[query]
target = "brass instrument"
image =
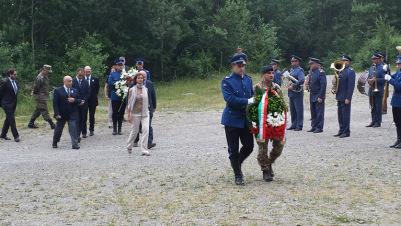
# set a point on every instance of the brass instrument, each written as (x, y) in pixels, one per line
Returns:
(289, 80)
(375, 90)
(337, 66)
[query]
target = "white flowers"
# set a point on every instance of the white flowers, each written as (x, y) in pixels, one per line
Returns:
(121, 86)
(276, 119)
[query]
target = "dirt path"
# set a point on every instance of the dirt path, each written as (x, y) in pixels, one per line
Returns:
(187, 179)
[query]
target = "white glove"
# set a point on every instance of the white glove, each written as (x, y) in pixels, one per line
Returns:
(387, 77)
(251, 100)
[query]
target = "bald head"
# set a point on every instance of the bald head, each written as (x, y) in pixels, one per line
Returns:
(67, 80)
(88, 71)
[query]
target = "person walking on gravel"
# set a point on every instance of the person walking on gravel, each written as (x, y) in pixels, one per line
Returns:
(40, 92)
(237, 91)
(138, 113)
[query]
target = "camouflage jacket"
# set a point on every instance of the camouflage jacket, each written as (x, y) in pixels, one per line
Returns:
(41, 86)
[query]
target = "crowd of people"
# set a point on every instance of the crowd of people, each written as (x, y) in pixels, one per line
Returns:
(77, 99)
(240, 93)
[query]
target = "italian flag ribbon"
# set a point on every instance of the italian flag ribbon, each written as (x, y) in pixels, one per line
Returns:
(267, 131)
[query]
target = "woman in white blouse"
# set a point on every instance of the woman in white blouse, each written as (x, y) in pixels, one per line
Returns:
(138, 113)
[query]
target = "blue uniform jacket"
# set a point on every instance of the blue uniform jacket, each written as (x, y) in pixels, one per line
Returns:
(396, 82)
(299, 74)
(346, 84)
(277, 77)
(380, 76)
(113, 78)
(236, 92)
(318, 84)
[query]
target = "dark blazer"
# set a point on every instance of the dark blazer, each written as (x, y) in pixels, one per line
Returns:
(61, 105)
(94, 88)
(151, 95)
(83, 89)
(8, 98)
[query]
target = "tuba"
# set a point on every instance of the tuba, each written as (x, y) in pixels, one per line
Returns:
(337, 66)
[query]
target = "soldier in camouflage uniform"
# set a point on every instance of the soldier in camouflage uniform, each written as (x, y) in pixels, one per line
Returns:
(40, 93)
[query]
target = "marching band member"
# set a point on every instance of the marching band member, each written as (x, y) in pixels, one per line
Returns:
(277, 73)
(296, 98)
(376, 81)
(237, 91)
(317, 84)
(346, 85)
(395, 81)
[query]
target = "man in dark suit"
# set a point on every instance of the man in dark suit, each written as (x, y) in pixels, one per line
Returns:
(94, 87)
(152, 108)
(65, 104)
(79, 83)
(8, 97)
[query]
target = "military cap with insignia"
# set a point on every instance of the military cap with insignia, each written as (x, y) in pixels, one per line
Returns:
(294, 57)
(240, 58)
(274, 61)
(346, 58)
(377, 55)
(314, 60)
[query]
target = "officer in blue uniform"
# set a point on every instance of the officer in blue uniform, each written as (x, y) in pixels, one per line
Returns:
(140, 67)
(296, 95)
(237, 91)
(395, 81)
(346, 85)
(317, 84)
(376, 75)
(277, 73)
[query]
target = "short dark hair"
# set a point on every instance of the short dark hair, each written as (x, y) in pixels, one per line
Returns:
(80, 69)
(10, 72)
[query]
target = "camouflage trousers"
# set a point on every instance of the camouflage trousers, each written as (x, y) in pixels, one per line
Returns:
(264, 159)
(41, 109)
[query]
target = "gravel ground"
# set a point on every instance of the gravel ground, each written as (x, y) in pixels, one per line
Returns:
(188, 180)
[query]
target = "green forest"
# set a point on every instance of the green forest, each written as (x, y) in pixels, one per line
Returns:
(190, 38)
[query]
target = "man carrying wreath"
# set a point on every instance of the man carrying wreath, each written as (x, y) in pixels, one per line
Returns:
(267, 118)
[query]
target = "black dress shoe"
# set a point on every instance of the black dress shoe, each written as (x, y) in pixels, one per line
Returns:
(120, 133)
(290, 128)
(344, 135)
(311, 130)
(318, 131)
(91, 133)
(152, 145)
(398, 146)
(370, 125)
(239, 181)
(396, 143)
(298, 129)
(114, 132)
(17, 139)
(376, 125)
(5, 138)
(54, 145)
(338, 134)
(75, 147)
(84, 136)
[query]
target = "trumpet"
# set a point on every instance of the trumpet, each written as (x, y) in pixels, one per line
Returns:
(308, 81)
(375, 90)
(338, 66)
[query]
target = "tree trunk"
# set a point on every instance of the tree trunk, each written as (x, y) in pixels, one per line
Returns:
(33, 31)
